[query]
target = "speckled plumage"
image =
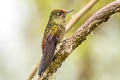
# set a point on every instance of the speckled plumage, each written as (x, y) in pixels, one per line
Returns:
(53, 35)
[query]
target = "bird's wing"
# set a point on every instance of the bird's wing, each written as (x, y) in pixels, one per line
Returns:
(49, 32)
(48, 51)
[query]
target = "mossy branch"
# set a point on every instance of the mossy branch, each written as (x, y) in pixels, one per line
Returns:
(74, 20)
(80, 35)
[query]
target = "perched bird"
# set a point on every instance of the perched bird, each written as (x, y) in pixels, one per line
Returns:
(53, 35)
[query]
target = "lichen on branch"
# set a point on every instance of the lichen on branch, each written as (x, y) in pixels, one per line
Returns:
(80, 35)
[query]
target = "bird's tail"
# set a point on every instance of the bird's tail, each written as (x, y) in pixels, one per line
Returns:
(48, 55)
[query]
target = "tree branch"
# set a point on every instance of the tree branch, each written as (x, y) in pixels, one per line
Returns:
(80, 35)
(80, 14)
(77, 16)
(32, 74)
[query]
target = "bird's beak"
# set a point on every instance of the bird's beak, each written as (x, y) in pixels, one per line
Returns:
(69, 11)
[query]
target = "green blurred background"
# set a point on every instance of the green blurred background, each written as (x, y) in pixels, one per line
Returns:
(22, 24)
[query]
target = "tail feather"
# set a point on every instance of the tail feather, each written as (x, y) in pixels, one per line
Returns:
(48, 55)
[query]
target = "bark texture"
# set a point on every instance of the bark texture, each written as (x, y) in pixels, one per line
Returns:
(80, 35)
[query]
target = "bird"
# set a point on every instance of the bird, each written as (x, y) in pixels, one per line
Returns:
(53, 35)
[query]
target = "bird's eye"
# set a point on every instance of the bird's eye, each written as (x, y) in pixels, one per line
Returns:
(59, 13)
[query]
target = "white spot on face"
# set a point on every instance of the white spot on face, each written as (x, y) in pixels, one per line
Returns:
(59, 13)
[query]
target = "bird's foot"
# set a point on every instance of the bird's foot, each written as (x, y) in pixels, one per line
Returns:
(63, 41)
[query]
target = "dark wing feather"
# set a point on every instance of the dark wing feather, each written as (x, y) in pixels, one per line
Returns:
(48, 53)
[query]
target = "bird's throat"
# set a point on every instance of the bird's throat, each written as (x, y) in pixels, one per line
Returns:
(58, 21)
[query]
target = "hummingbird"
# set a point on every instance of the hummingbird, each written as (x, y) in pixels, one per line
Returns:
(53, 35)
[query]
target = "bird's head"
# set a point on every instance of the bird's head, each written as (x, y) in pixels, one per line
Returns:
(58, 15)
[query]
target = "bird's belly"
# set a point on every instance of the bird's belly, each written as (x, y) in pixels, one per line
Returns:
(61, 34)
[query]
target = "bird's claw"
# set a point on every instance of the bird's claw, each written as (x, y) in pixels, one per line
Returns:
(64, 41)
